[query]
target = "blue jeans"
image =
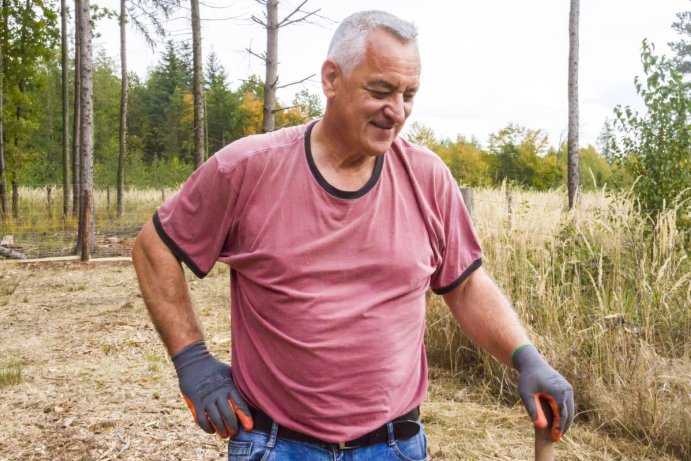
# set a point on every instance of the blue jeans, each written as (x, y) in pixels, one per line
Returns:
(260, 446)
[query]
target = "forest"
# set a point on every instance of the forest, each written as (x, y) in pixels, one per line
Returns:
(153, 134)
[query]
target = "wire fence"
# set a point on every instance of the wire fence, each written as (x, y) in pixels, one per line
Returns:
(36, 226)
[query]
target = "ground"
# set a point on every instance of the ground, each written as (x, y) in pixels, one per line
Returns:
(96, 383)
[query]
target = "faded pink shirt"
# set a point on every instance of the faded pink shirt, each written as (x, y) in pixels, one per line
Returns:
(328, 286)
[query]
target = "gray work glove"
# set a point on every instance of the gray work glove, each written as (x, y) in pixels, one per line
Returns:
(207, 387)
(538, 380)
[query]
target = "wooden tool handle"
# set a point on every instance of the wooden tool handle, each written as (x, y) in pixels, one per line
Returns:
(544, 448)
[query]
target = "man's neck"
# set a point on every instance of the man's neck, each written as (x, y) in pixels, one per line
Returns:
(342, 167)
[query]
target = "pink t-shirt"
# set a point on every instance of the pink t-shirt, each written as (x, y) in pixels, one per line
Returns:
(327, 286)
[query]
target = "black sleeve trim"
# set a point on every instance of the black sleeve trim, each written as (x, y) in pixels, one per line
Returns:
(442, 291)
(177, 251)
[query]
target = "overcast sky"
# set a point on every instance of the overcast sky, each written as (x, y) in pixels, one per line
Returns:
(485, 63)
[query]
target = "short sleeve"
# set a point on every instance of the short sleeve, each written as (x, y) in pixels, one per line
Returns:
(461, 253)
(195, 222)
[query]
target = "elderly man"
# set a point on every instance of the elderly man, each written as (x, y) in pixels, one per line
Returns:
(333, 232)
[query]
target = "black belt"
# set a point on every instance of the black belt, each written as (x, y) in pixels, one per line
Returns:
(404, 427)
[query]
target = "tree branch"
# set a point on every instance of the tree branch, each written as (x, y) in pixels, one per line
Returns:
(292, 13)
(259, 21)
(295, 83)
(260, 56)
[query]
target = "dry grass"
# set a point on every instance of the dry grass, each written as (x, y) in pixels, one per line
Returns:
(10, 374)
(97, 384)
(606, 295)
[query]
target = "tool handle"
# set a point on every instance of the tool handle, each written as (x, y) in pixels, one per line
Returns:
(544, 447)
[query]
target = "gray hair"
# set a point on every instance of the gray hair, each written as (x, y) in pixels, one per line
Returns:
(348, 43)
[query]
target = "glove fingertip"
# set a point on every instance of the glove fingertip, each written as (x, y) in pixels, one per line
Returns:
(203, 422)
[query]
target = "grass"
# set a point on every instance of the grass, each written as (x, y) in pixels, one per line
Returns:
(605, 294)
(10, 374)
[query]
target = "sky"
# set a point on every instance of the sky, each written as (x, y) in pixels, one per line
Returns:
(485, 63)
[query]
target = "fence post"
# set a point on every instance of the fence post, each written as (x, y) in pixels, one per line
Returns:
(107, 198)
(15, 199)
(163, 194)
(49, 190)
(85, 242)
(509, 203)
(469, 199)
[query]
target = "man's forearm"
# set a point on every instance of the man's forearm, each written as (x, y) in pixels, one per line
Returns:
(165, 291)
(486, 316)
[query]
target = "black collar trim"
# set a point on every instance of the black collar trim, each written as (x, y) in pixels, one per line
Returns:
(348, 195)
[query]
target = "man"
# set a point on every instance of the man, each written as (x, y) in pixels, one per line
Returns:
(333, 231)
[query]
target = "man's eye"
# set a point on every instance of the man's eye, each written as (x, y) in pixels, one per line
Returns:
(379, 94)
(409, 97)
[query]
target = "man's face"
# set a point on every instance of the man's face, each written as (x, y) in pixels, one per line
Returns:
(373, 102)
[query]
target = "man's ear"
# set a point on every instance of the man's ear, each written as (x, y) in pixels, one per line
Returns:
(331, 77)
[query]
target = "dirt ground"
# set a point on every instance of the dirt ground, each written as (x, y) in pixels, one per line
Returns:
(96, 383)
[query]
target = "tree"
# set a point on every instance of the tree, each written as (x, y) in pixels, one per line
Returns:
(682, 48)
(76, 117)
(421, 134)
(197, 86)
(65, 111)
(222, 118)
(28, 33)
(122, 140)
(3, 176)
(270, 57)
(574, 180)
(654, 146)
(86, 132)
(149, 9)
(517, 156)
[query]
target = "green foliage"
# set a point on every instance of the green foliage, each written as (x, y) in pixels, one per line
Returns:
(593, 168)
(222, 115)
(468, 163)
(655, 146)
(309, 104)
(682, 48)
(517, 156)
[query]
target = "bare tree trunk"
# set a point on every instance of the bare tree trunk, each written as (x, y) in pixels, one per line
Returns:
(573, 104)
(198, 89)
(123, 110)
(3, 176)
(86, 132)
(76, 136)
(271, 80)
(65, 115)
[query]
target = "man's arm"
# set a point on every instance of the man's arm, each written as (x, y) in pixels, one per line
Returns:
(206, 383)
(487, 317)
(165, 291)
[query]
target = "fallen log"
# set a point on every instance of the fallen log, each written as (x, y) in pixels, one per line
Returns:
(9, 253)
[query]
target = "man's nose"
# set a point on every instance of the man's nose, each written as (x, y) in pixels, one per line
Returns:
(395, 109)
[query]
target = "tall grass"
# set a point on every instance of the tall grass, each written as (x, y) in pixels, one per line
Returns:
(606, 296)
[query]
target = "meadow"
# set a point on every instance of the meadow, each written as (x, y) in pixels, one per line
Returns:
(604, 291)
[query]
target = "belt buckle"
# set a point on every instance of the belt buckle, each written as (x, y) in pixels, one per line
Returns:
(345, 446)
